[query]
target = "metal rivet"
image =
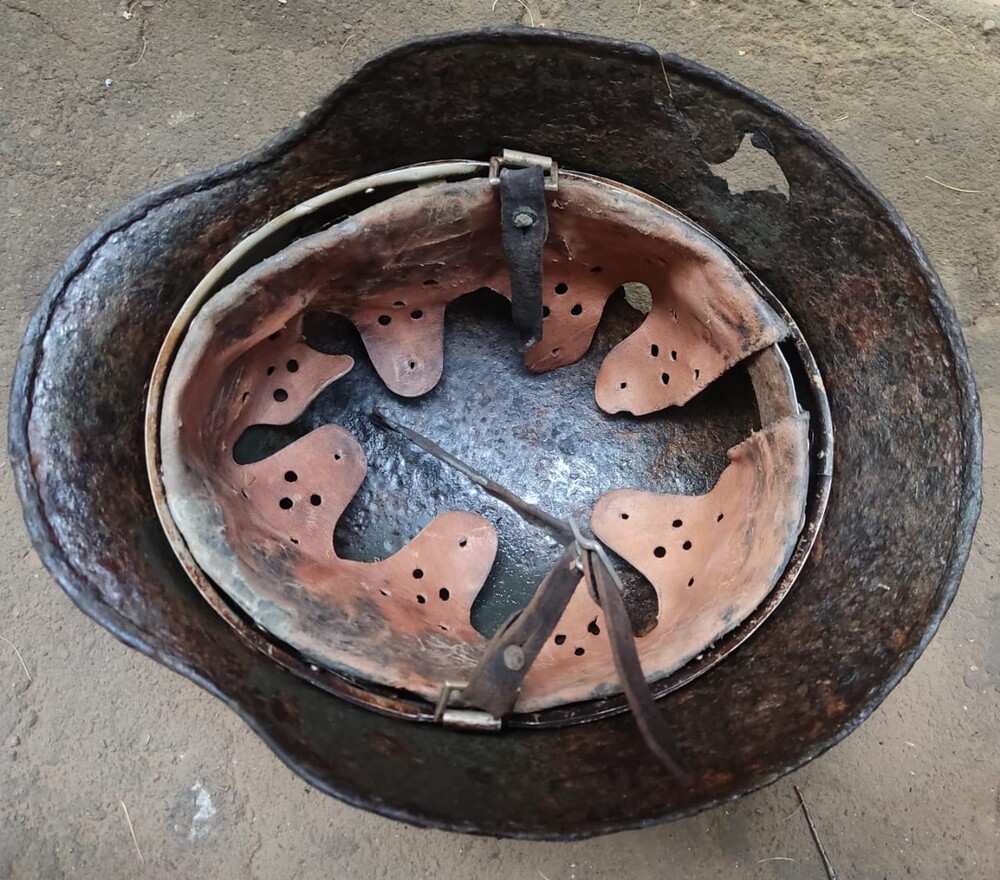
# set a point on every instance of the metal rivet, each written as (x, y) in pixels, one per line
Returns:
(513, 657)
(524, 217)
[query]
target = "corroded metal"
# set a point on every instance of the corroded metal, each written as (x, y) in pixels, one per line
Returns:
(903, 501)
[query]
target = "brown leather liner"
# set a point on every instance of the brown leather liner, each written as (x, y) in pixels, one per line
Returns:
(711, 559)
(266, 539)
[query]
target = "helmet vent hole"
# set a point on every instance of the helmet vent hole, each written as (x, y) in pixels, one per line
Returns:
(576, 310)
(384, 320)
(659, 552)
(421, 599)
(280, 395)
(315, 500)
(677, 523)
(291, 476)
(270, 371)
(654, 351)
(561, 288)
(686, 545)
(579, 652)
(292, 366)
(418, 573)
(430, 282)
(593, 628)
(416, 314)
(560, 639)
(286, 503)
(665, 378)
(444, 594)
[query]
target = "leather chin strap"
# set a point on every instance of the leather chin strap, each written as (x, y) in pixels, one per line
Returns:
(492, 689)
(496, 682)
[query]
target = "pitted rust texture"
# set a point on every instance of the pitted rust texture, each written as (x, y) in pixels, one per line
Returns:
(835, 254)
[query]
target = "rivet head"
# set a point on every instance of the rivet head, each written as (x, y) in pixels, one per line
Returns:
(524, 217)
(513, 657)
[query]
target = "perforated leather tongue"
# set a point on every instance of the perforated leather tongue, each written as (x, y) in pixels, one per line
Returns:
(264, 531)
(711, 559)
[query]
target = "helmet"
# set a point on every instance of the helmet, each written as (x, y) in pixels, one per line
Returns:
(495, 454)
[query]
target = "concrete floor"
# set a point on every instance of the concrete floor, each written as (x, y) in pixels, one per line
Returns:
(103, 99)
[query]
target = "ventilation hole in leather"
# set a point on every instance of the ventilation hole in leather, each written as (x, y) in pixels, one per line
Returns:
(690, 582)
(286, 503)
(280, 395)
(243, 492)
(576, 310)
(291, 476)
(659, 552)
(623, 385)
(697, 373)
(560, 639)
(399, 304)
(418, 573)
(315, 500)
(274, 335)
(673, 355)
(294, 540)
(421, 599)
(719, 517)
(677, 523)
(593, 628)
(430, 282)
(674, 313)
(413, 365)
(654, 350)
(686, 545)
(638, 296)
(336, 456)
(664, 378)
(246, 396)
(442, 627)
(555, 351)
(561, 288)
(444, 594)
(270, 371)
(546, 311)
(596, 268)
(624, 516)
(462, 542)
(579, 652)
(292, 366)
(416, 314)
(384, 320)
(385, 592)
